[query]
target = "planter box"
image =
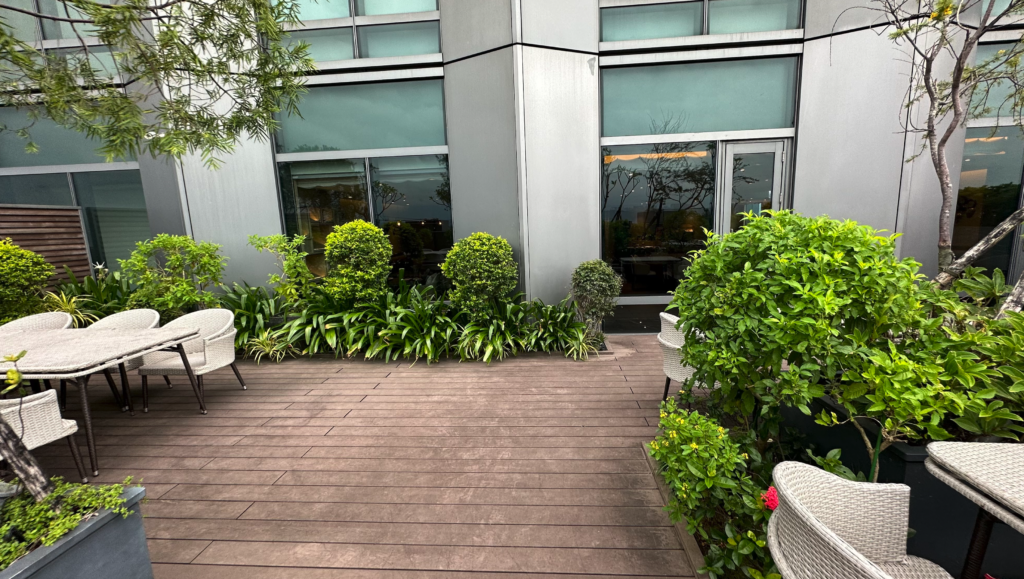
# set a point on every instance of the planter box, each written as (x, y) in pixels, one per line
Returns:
(943, 519)
(106, 546)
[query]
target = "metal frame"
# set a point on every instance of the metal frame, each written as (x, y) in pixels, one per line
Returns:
(82, 168)
(757, 134)
(375, 76)
(731, 53)
(723, 217)
(791, 35)
(361, 153)
(705, 26)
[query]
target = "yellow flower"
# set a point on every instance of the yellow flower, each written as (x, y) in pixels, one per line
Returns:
(744, 455)
(694, 446)
(721, 430)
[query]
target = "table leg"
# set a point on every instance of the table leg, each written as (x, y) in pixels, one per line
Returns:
(113, 390)
(83, 393)
(191, 378)
(979, 544)
(126, 389)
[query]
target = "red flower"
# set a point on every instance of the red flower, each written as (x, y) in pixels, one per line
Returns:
(771, 499)
(987, 576)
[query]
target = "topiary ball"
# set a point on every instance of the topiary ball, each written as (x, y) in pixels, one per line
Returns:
(481, 269)
(23, 276)
(358, 256)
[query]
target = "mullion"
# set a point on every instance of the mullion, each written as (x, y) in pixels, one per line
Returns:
(355, 31)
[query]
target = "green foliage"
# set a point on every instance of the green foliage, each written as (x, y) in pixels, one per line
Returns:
(554, 328)
(595, 287)
(255, 311)
(173, 274)
(359, 256)
(74, 306)
(106, 292)
(23, 276)
(271, 344)
(411, 323)
(28, 525)
(832, 463)
(495, 333)
(482, 270)
(712, 489)
(320, 328)
(293, 282)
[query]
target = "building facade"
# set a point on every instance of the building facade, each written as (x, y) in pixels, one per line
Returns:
(575, 129)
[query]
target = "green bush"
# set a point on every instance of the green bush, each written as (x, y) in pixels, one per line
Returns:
(293, 282)
(107, 292)
(481, 269)
(23, 276)
(595, 287)
(713, 490)
(173, 274)
(256, 311)
(359, 259)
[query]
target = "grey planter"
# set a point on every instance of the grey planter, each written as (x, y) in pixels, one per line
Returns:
(104, 547)
(941, 518)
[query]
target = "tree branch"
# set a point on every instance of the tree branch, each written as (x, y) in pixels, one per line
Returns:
(946, 278)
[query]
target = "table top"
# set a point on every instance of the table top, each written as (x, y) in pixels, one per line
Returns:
(74, 353)
(996, 469)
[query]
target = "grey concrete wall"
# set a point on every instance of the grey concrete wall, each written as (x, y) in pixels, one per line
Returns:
(474, 26)
(162, 189)
(229, 204)
(568, 24)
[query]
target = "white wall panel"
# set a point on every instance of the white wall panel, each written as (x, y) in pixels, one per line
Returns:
(569, 24)
(473, 26)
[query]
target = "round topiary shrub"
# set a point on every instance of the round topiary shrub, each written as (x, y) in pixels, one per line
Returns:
(481, 269)
(23, 276)
(595, 286)
(358, 257)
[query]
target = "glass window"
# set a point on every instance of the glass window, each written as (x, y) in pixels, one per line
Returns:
(327, 44)
(990, 180)
(412, 203)
(319, 195)
(699, 97)
(652, 21)
(657, 200)
(323, 9)
(399, 39)
(100, 58)
(23, 26)
(366, 116)
(993, 97)
(57, 145)
(731, 16)
(51, 189)
(374, 7)
(114, 210)
(55, 30)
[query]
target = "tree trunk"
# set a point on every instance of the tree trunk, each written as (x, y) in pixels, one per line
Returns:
(1015, 301)
(949, 274)
(23, 463)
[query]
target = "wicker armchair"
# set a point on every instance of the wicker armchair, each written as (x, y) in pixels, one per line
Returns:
(213, 350)
(827, 526)
(47, 321)
(37, 420)
(130, 320)
(671, 340)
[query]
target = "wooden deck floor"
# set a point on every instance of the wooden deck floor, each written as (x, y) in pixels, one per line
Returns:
(340, 469)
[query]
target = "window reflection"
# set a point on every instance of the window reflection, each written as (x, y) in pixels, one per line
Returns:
(734, 16)
(753, 178)
(114, 211)
(327, 45)
(399, 39)
(375, 7)
(990, 182)
(657, 201)
(651, 21)
(48, 189)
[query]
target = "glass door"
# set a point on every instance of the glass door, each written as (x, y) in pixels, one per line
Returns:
(753, 181)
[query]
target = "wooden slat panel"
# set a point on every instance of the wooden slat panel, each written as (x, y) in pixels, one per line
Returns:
(54, 233)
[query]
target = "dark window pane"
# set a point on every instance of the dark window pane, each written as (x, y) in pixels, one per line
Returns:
(323, 9)
(57, 145)
(399, 39)
(652, 21)
(995, 97)
(412, 203)
(114, 209)
(52, 189)
(753, 180)
(733, 16)
(319, 195)
(634, 320)
(699, 97)
(656, 203)
(374, 7)
(328, 44)
(989, 192)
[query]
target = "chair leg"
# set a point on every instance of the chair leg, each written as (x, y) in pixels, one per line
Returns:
(47, 385)
(64, 395)
(145, 393)
(668, 381)
(202, 390)
(126, 388)
(34, 384)
(238, 375)
(75, 454)
(168, 380)
(113, 390)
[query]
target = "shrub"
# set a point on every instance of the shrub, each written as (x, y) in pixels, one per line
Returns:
(270, 344)
(595, 286)
(23, 276)
(107, 291)
(74, 306)
(359, 259)
(173, 274)
(255, 311)
(412, 323)
(320, 328)
(712, 489)
(481, 269)
(295, 278)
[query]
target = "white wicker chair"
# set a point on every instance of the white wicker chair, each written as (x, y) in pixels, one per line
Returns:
(827, 526)
(671, 340)
(37, 420)
(213, 350)
(141, 319)
(47, 321)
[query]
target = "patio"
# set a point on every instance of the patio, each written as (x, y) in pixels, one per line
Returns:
(329, 469)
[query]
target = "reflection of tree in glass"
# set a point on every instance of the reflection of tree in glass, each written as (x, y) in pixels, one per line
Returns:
(385, 195)
(443, 194)
(327, 203)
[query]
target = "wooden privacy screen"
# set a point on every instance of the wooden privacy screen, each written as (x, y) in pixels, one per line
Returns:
(53, 232)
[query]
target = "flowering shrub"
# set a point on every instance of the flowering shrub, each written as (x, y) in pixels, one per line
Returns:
(724, 507)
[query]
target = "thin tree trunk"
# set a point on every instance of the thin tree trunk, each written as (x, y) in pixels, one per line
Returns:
(947, 276)
(1015, 301)
(13, 450)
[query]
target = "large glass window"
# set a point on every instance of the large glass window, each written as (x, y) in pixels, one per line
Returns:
(656, 202)
(323, 9)
(57, 145)
(366, 116)
(328, 44)
(23, 26)
(990, 190)
(699, 97)
(56, 30)
(50, 189)
(399, 39)
(114, 209)
(993, 97)
(375, 7)
(652, 21)
(732, 16)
